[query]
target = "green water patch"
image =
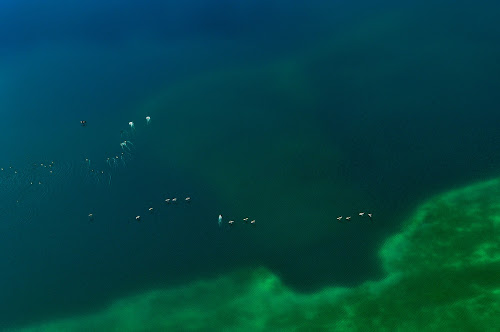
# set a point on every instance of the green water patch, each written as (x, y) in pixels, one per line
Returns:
(464, 223)
(433, 282)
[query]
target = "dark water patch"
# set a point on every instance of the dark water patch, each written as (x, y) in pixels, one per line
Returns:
(261, 23)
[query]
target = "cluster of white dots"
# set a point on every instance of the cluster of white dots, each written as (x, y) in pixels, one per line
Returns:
(361, 214)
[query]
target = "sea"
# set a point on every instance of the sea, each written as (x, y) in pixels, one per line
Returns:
(127, 127)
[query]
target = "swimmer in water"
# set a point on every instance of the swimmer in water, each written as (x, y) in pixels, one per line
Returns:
(220, 220)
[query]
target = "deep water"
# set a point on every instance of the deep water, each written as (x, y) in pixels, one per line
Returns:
(291, 113)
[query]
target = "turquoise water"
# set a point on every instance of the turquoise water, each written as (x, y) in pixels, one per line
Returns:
(288, 113)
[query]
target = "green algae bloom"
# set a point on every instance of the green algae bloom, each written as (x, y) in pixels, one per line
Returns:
(442, 269)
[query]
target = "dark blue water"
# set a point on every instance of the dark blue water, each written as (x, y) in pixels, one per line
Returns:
(291, 113)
